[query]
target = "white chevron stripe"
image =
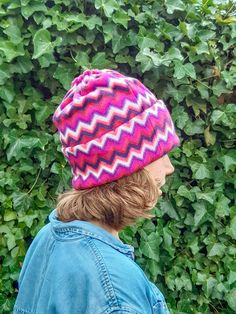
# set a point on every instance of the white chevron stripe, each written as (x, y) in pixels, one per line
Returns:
(94, 94)
(115, 134)
(100, 118)
(139, 155)
(112, 82)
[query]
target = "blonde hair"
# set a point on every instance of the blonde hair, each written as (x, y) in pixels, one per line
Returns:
(117, 204)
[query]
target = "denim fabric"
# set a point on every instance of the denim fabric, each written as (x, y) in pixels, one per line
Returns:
(79, 268)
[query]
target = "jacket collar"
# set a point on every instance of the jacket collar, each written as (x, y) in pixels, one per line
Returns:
(72, 229)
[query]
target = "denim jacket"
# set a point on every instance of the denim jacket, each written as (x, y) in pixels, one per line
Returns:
(79, 268)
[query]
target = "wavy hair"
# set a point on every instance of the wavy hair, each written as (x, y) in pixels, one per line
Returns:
(116, 204)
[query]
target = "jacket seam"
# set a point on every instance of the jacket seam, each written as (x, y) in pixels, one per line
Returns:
(82, 232)
(106, 280)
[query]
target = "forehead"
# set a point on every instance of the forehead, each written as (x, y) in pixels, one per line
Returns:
(157, 163)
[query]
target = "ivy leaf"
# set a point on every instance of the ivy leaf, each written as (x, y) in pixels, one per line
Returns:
(150, 247)
(219, 87)
(9, 215)
(232, 277)
(121, 41)
(174, 5)
(218, 249)
(184, 70)
(210, 137)
(167, 241)
(146, 63)
(202, 47)
(82, 60)
(28, 219)
(222, 207)
(11, 241)
(15, 149)
(100, 61)
(203, 90)
(210, 285)
(228, 160)
(42, 112)
(193, 244)
(183, 282)
(10, 50)
(168, 208)
(156, 58)
(146, 42)
(174, 54)
(24, 65)
(63, 77)
(7, 93)
(202, 172)
(21, 200)
(109, 29)
(194, 127)
(231, 299)
(28, 10)
(208, 196)
(180, 116)
(93, 21)
(183, 191)
(121, 17)
(42, 43)
(231, 230)
(46, 59)
(108, 6)
(200, 212)
(216, 116)
(204, 35)
(4, 73)
(13, 32)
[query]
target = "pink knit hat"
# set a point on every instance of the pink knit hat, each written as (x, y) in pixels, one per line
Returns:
(110, 126)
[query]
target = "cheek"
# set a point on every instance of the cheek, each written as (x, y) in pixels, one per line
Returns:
(160, 178)
(160, 174)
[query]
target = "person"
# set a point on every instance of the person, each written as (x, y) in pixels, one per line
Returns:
(116, 136)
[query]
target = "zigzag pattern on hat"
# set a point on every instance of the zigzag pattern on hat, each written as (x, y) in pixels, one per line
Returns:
(76, 131)
(118, 161)
(81, 122)
(110, 126)
(132, 136)
(115, 136)
(109, 85)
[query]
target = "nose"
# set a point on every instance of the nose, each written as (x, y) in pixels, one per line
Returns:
(169, 167)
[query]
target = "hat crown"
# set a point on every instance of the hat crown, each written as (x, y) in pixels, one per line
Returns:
(98, 102)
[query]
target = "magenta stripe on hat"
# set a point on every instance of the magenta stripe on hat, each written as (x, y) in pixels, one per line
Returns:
(110, 126)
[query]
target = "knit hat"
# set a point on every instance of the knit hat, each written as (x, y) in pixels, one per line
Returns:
(110, 126)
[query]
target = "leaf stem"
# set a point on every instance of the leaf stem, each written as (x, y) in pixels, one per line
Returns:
(230, 9)
(208, 77)
(203, 84)
(35, 181)
(72, 56)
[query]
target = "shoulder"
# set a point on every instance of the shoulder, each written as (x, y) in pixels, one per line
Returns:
(133, 291)
(39, 239)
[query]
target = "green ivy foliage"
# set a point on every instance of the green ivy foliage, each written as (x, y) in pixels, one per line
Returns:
(184, 51)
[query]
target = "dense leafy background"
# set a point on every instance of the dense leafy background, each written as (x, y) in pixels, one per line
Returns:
(184, 51)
